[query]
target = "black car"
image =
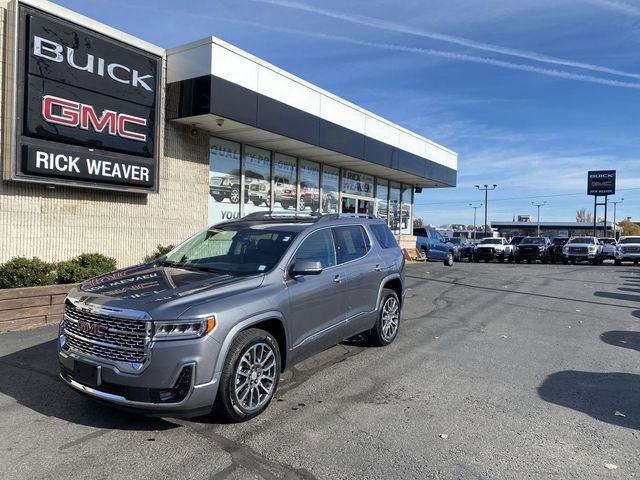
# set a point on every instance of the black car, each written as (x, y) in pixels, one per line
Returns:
(516, 240)
(531, 249)
(463, 248)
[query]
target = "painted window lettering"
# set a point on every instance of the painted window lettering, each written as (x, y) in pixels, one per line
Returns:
(53, 51)
(65, 112)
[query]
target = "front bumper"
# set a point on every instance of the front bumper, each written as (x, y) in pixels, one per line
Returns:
(627, 256)
(177, 379)
(486, 253)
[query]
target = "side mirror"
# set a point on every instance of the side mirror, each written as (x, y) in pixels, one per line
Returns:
(305, 267)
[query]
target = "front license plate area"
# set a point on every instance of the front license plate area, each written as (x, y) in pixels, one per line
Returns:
(86, 374)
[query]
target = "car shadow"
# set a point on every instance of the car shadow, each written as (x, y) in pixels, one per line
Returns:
(622, 338)
(30, 376)
(618, 296)
(599, 395)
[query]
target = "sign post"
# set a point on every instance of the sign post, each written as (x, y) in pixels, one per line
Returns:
(601, 183)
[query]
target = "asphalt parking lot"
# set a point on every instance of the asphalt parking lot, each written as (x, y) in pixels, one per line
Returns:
(500, 371)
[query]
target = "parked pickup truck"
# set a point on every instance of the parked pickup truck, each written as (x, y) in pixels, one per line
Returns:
(432, 245)
(608, 248)
(580, 249)
(628, 249)
(555, 250)
(493, 249)
(531, 249)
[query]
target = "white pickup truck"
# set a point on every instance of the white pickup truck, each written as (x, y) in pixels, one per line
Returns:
(628, 249)
(493, 249)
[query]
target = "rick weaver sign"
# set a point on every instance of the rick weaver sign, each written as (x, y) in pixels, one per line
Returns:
(87, 107)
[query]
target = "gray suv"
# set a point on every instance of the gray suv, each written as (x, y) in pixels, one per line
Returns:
(216, 320)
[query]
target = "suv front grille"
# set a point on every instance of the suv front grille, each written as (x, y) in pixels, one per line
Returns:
(578, 250)
(104, 336)
(630, 249)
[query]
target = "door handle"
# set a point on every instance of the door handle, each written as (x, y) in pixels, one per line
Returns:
(378, 269)
(337, 279)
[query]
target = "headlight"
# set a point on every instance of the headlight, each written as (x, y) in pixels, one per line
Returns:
(565, 249)
(182, 330)
(593, 248)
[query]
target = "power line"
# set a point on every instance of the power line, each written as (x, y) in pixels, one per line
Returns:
(529, 197)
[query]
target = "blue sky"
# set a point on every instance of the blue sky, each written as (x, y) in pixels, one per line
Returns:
(530, 93)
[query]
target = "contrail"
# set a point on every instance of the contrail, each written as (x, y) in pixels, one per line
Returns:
(621, 7)
(454, 56)
(398, 28)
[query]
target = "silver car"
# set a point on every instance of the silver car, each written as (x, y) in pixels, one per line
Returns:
(222, 315)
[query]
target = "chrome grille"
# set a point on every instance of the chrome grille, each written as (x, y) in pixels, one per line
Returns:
(120, 339)
(579, 250)
(630, 249)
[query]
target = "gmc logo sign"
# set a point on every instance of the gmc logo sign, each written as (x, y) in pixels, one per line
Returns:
(92, 328)
(74, 114)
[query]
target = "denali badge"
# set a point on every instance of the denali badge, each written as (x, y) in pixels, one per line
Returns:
(92, 328)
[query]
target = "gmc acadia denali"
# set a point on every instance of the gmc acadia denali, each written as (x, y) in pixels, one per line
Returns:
(218, 318)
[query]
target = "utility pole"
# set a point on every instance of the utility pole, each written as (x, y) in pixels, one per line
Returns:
(485, 188)
(615, 204)
(475, 226)
(539, 205)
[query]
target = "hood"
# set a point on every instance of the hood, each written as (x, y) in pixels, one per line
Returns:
(162, 292)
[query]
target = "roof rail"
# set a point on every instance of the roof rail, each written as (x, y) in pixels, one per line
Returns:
(336, 216)
(276, 215)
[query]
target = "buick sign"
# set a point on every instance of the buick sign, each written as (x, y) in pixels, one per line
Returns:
(87, 107)
(601, 182)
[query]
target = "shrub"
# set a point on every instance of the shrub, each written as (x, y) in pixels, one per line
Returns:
(84, 266)
(159, 251)
(26, 272)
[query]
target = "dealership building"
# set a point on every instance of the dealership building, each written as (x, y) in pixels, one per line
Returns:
(113, 145)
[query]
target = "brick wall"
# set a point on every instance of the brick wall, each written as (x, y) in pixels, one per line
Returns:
(62, 222)
(22, 308)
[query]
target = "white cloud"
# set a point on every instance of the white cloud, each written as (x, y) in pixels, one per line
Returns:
(617, 6)
(461, 41)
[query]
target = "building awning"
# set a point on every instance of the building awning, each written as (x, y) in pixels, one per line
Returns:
(262, 105)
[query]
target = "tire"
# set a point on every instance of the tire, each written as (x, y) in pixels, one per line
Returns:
(573, 261)
(251, 351)
(617, 263)
(386, 327)
(565, 261)
(635, 262)
(302, 204)
(285, 205)
(449, 260)
(424, 253)
(501, 258)
(476, 260)
(234, 195)
(218, 198)
(256, 202)
(518, 261)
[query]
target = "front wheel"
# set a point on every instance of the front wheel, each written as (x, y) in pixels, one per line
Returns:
(250, 375)
(386, 328)
(617, 262)
(449, 260)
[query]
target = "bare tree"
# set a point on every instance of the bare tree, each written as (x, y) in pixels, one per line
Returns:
(418, 223)
(582, 216)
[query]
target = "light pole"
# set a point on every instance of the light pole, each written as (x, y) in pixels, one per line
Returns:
(539, 205)
(475, 208)
(486, 189)
(615, 232)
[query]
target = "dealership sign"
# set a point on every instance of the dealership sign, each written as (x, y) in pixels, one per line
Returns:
(601, 182)
(87, 107)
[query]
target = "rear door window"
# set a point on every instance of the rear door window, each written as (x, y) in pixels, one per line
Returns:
(384, 236)
(352, 242)
(318, 247)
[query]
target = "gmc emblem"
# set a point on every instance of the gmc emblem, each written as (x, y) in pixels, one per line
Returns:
(74, 114)
(92, 328)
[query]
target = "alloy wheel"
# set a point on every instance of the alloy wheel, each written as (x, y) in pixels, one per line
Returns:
(255, 377)
(390, 318)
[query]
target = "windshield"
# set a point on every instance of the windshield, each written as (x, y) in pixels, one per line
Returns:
(630, 240)
(516, 240)
(235, 251)
(491, 241)
(608, 241)
(559, 241)
(581, 240)
(455, 241)
(532, 241)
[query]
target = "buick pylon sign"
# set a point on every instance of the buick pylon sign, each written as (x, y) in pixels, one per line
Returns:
(87, 107)
(601, 182)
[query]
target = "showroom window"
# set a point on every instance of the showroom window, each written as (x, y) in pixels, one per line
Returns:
(382, 199)
(257, 179)
(394, 207)
(405, 217)
(330, 189)
(284, 181)
(309, 186)
(224, 180)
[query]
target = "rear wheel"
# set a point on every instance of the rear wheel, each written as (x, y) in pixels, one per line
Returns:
(250, 375)
(565, 261)
(424, 253)
(617, 262)
(386, 328)
(218, 198)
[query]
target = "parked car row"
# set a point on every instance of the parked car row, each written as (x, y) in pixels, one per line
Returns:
(433, 246)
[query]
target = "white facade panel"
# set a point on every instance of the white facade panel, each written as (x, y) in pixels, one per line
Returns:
(191, 63)
(411, 144)
(381, 131)
(341, 114)
(235, 68)
(279, 87)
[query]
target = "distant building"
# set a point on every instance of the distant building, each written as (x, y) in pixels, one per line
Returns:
(551, 229)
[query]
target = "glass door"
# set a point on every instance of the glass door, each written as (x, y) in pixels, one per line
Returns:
(351, 204)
